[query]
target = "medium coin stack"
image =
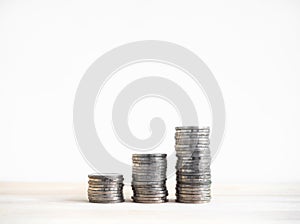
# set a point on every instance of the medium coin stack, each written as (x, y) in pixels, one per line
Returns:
(193, 164)
(149, 178)
(105, 188)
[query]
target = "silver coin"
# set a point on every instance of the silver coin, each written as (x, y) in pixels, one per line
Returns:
(191, 172)
(147, 188)
(202, 167)
(192, 128)
(194, 198)
(193, 175)
(190, 177)
(147, 191)
(192, 159)
(192, 141)
(104, 193)
(199, 176)
(107, 202)
(205, 167)
(105, 181)
(108, 191)
(192, 202)
(105, 198)
(186, 153)
(204, 150)
(104, 187)
(192, 185)
(96, 187)
(204, 193)
(194, 156)
(204, 181)
(194, 192)
(151, 164)
(151, 194)
(150, 155)
(160, 182)
(190, 156)
(149, 175)
(193, 131)
(112, 176)
(191, 146)
(150, 202)
(185, 199)
(198, 163)
(150, 159)
(192, 165)
(191, 134)
(148, 179)
(194, 181)
(98, 200)
(154, 195)
(148, 198)
(148, 184)
(191, 137)
(149, 170)
(193, 188)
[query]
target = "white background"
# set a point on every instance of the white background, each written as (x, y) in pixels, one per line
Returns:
(252, 48)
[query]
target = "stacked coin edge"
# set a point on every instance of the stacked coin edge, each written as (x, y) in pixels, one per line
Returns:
(149, 178)
(105, 188)
(193, 177)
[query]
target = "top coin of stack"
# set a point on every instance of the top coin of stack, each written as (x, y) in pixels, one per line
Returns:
(105, 188)
(149, 178)
(193, 164)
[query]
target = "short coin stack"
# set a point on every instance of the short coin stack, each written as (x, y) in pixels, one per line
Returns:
(106, 188)
(149, 178)
(193, 164)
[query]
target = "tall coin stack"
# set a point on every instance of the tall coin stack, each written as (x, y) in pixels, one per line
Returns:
(149, 178)
(193, 164)
(106, 188)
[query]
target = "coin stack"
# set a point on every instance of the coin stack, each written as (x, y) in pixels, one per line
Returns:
(149, 178)
(106, 188)
(193, 164)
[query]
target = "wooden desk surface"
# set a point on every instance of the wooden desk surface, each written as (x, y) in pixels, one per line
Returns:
(67, 203)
